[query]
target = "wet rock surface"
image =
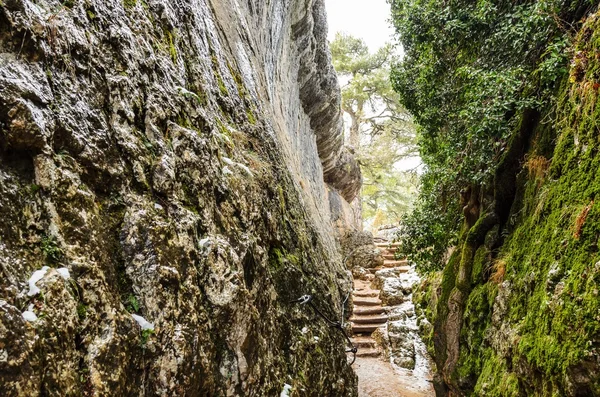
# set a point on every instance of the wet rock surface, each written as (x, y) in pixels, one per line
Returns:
(164, 153)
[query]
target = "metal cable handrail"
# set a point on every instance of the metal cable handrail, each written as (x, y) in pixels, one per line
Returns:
(308, 299)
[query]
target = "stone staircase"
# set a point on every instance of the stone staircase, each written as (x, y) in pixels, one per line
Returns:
(389, 257)
(369, 314)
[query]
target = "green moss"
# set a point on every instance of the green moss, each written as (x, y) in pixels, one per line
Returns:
(281, 195)
(82, 310)
(476, 319)
(129, 3)
(221, 84)
(90, 15)
(496, 380)
(479, 263)
(170, 37)
(250, 115)
(69, 3)
(33, 188)
(222, 88)
(551, 255)
(279, 257)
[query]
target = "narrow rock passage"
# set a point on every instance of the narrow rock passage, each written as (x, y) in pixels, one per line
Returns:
(377, 377)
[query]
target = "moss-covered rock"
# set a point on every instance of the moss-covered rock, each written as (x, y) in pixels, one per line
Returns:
(526, 304)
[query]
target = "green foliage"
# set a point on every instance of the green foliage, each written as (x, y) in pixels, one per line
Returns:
(384, 188)
(50, 249)
(551, 262)
(132, 305)
(433, 225)
(469, 72)
(381, 132)
(145, 336)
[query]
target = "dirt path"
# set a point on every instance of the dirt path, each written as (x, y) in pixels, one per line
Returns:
(377, 378)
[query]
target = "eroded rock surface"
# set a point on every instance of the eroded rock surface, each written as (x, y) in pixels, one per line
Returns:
(359, 250)
(171, 156)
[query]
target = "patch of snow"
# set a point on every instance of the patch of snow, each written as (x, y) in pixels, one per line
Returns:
(35, 277)
(64, 272)
(246, 169)
(29, 315)
(316, 338)
(158, 206)
(304, 330)
(286, 391)
(3, 356)
(187, 93)
(145, 324)
(204, 243)
(227, 160)
(227, 171)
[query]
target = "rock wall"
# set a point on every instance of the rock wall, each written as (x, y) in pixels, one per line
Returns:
(167, 160)
(516, 311)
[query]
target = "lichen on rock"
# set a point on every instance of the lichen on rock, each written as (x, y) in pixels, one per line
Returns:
(164, 156)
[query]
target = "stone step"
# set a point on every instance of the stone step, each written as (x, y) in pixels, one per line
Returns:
(401, 269)
(394, 263)
(369, 319)
(390, 257)
(367, 293)
(368, 353)
(364, 342)
(364, 328)
(388, 245)
(368, 310)
(362, 301)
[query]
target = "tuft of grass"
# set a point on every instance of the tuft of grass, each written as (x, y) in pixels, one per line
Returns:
(498, 271)
(580, 221)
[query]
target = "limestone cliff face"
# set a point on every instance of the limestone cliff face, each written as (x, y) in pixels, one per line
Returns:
(170, 156)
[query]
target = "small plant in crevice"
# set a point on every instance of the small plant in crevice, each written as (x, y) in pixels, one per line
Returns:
(145, 336)
(82, 309)
(132, 304)
(33, 188)
(50, 249)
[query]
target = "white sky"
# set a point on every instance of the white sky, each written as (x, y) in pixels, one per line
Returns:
(365, 19)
